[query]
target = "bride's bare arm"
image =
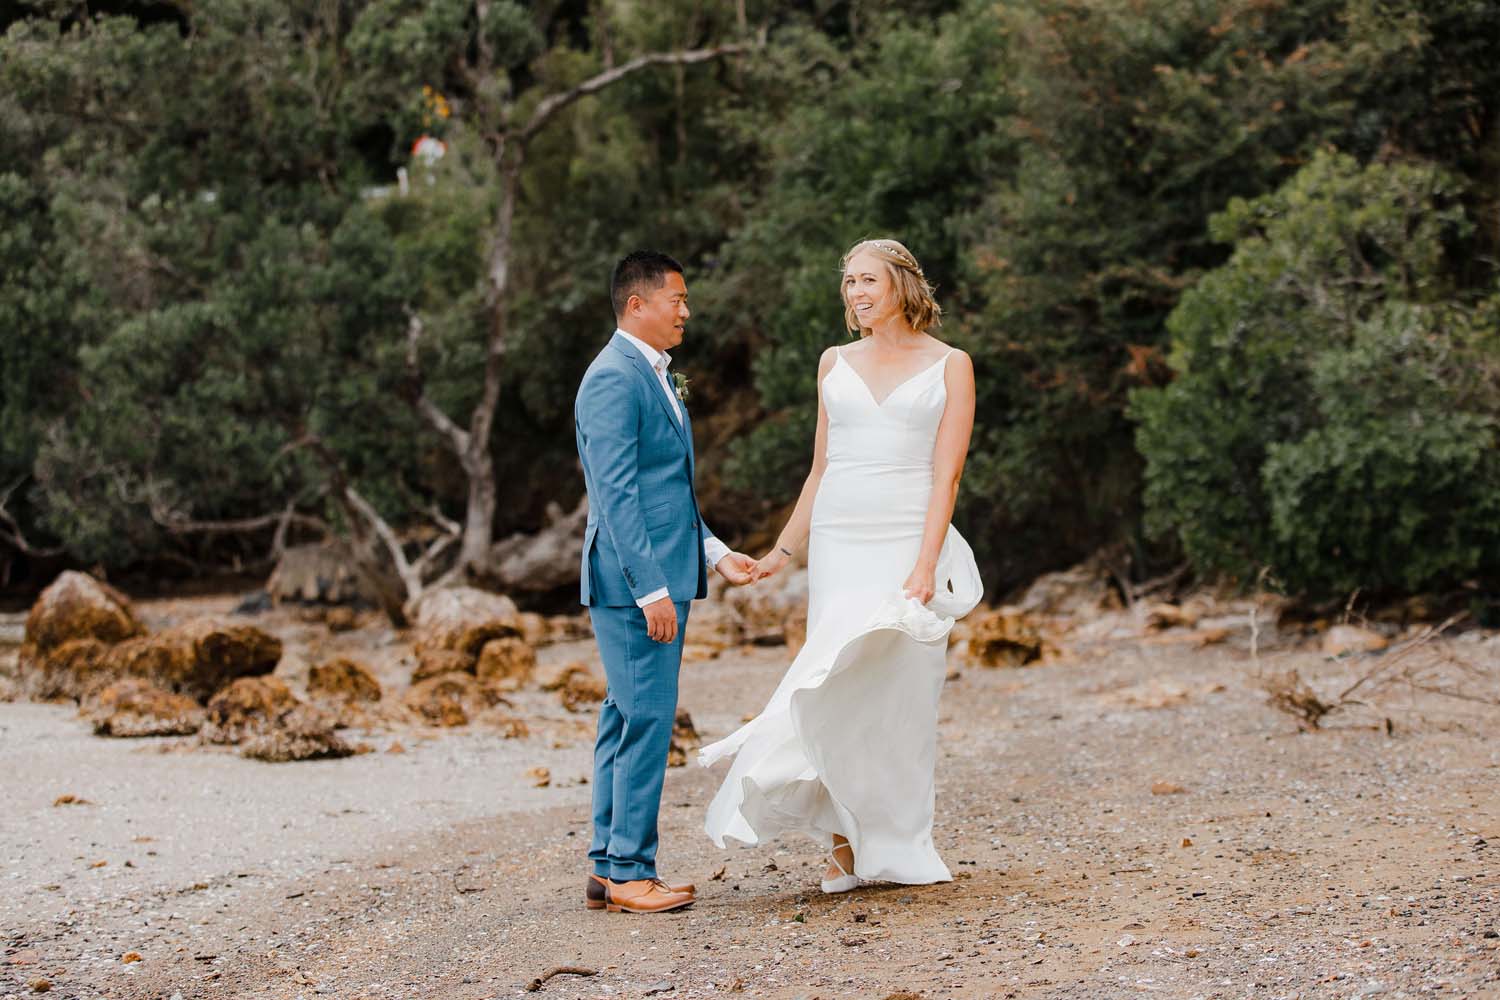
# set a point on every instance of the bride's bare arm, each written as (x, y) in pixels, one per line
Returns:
(797, 526)
(948, 456)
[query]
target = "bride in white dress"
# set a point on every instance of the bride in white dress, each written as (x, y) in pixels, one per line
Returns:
(846, 747)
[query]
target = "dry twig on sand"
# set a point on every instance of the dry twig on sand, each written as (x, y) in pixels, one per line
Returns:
(1398, 668)
(560, 970)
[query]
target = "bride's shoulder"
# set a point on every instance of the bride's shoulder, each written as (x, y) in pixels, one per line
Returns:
(826, 361)
(947, 352)
(956, 364)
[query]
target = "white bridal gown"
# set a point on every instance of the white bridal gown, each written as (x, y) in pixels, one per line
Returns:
(848, 742)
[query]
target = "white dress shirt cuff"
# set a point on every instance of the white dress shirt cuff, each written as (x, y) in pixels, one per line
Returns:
(713, 551)
(652, 597)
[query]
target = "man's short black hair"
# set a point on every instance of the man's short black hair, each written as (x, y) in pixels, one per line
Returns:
(636, 272)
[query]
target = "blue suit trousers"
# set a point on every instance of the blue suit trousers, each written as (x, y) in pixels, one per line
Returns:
(635, 732)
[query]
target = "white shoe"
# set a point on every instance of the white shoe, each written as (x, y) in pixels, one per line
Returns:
(843, 883)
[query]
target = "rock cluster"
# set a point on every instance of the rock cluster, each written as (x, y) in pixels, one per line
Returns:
(268, 722)
(136, 707)
(82, 635)
(84, 642)
(470, 652)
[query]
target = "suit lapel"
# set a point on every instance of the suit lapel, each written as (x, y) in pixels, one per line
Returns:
(653, 388)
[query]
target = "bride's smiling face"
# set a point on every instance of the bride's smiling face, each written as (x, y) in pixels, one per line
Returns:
(868, 288)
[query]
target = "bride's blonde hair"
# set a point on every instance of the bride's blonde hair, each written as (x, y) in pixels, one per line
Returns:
(913, 292)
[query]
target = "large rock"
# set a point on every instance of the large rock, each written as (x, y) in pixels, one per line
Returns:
(714, 626)
(450, 699)
(1343, 640)
(196, 658)
(685, 739)
(534, 628)
(763, 609)
(540, 630)
(583, 689)
(247, 707)
(1008, 637)
(461, 620)
(506, 664)
(303, 733)
(569, 628)
(267, 722)
(343, 680)
(76, 606)
(795, 631)
(136, 707)
(70, 670)
(70, 628)
(436, 662)
(1081, 591)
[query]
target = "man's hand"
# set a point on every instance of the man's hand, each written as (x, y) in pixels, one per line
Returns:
(736, 568)
(661, 619)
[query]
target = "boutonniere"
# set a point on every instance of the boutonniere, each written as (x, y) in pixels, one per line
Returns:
(681, 382)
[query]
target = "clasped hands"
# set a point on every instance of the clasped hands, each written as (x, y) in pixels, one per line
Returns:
(739, 569)
(661, 615)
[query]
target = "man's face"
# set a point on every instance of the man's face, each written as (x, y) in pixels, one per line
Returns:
(660, 314)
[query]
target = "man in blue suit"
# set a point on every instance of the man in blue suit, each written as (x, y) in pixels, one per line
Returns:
(646, 553)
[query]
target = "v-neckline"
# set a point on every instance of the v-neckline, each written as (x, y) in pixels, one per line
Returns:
(880, 403)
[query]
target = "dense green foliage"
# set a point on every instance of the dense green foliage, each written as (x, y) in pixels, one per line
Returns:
(1335, 410)
(1227, 268)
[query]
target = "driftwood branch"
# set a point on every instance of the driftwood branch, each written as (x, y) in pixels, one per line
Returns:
(545, 560)
(560, 970)
(1291, 694)
(1397, 657)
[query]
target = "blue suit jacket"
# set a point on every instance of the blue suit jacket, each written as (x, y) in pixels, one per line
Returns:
(644, 531)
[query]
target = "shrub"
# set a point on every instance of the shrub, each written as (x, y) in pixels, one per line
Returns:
(1334, 412)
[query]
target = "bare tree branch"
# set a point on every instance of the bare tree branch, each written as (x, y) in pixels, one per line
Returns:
(554, 103)
(382, 528)
(10, 529)
(178, 524)
(457, 437)
(411, 572)
(278, 540)
(366, 559)
(443, 520)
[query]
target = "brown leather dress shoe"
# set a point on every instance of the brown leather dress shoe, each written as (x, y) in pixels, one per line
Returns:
(596, 891)
(647, 895)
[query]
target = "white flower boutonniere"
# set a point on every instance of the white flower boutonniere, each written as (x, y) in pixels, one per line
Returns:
(681, 382)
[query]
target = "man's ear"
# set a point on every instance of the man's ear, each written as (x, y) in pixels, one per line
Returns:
(634, 304)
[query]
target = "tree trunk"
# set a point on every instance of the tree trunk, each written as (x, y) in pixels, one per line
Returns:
(479, 517)
(476, 557)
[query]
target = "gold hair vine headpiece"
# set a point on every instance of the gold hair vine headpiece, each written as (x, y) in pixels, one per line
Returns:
(895, 251)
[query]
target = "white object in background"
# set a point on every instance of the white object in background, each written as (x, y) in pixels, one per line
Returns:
(428, 150)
